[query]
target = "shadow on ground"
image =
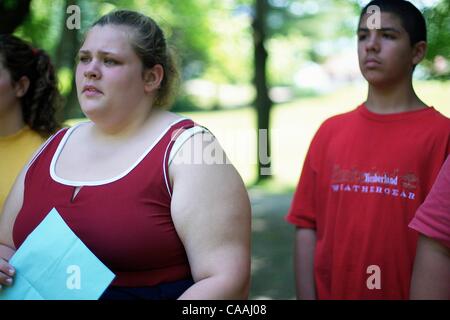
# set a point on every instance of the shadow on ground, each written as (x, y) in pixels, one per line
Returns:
(272, 246)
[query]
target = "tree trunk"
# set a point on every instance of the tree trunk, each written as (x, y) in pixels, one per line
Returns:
(65, 58)
(263, 103)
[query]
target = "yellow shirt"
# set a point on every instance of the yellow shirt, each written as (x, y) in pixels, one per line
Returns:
(15, 152)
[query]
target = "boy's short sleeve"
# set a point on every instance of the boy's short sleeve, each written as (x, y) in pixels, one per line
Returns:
(432, 219)
(302, 212)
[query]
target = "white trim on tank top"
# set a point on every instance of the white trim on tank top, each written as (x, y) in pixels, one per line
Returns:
(179, 142)
(75, 183)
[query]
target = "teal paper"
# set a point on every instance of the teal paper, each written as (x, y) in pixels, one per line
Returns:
(53, 264)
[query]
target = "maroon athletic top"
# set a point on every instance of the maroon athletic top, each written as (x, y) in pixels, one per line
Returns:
(125, 221)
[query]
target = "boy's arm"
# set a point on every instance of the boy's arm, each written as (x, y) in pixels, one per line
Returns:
(302, 214)
(431, 275)
(305, 245)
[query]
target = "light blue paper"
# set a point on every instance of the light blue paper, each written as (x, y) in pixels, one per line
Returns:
(53, 264)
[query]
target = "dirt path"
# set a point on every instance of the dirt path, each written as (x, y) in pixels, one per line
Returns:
(272, 243)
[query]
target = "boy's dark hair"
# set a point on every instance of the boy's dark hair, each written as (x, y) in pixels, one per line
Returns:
(411, 18)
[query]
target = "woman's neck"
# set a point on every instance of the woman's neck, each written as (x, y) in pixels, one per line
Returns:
(11, 121)
(123, 129)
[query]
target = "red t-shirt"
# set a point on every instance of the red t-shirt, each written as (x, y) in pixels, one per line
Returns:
(364, 176)
(433, 217)
(125, 221)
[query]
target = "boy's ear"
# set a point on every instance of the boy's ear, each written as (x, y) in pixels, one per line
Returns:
(21, 86)
(419, 52)
(153, 78)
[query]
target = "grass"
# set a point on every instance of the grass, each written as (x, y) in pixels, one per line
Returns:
(272, 247)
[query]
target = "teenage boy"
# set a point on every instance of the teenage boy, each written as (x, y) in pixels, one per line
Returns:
(368, 170)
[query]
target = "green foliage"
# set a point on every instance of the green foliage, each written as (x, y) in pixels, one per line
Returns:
(186, 26)
(438, 33)
(42, 27)
(314, 19)
(10, 4)
(65, 80)
(213, 39)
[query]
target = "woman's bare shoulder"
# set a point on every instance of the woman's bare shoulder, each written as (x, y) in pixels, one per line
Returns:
(170, 117)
